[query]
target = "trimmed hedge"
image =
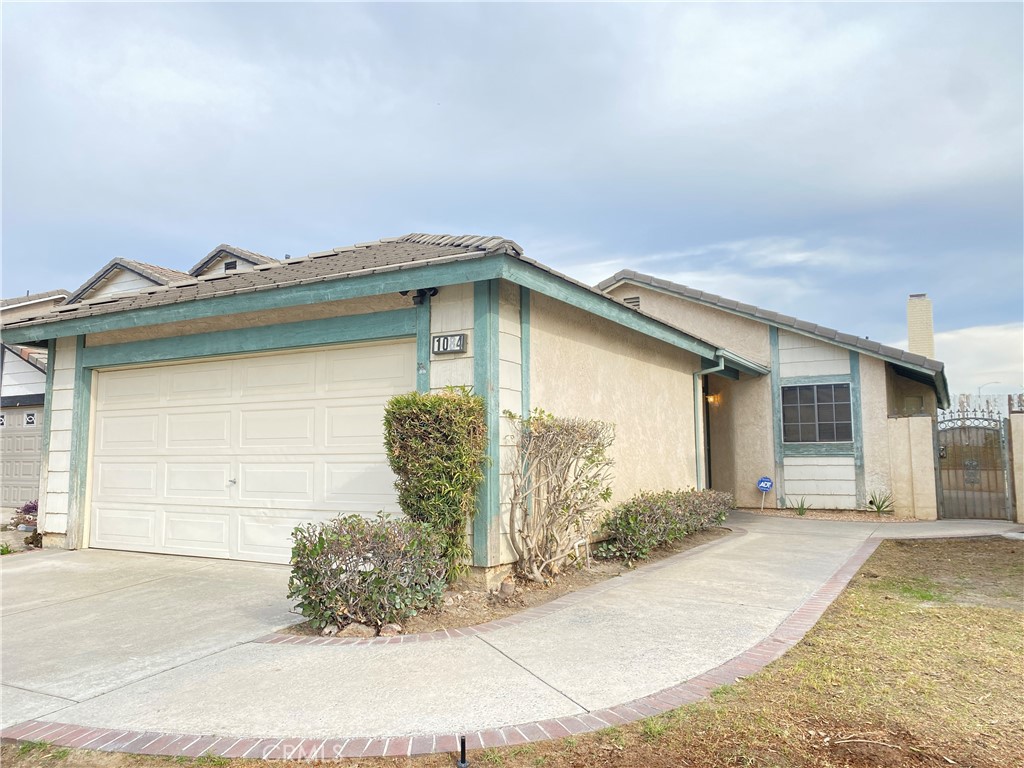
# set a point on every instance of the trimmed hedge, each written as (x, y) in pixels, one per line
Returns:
(650, 520)
(436, 445)
(371, 571)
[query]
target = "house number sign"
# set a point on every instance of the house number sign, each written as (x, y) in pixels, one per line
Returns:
(448, 344)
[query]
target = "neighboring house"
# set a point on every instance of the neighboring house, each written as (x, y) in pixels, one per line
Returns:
(838, 418)
(120, 276)
(22, 395)
(227, 258)
(210, 416)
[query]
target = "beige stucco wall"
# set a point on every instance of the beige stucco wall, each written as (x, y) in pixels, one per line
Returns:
(911, 446)
(875, 427)
(297, 314)
(742, 439)
(747, 338)
(901, 389)
(582, 365)
(1017, 462)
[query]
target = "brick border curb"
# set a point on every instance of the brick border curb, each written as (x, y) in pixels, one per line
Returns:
(755, 658)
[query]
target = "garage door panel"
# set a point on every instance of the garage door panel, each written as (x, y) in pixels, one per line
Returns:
(292, 482)
(188, 531)
(136, 479)
(199, 430)
(129, 526)
(211, 382)
(237, 452)
(124, 389)
(124, 432)
(267, 537)
(355, 428)
(362, 488)
(292, 427)
(294, 376)
(369, 371)
(208, 481)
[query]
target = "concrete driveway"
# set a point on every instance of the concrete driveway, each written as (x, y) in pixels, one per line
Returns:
(76, 625)
(177, 656)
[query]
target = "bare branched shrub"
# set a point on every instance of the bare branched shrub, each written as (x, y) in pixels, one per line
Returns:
(560, 474)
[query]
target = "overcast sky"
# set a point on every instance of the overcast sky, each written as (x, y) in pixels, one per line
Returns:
(820, 160)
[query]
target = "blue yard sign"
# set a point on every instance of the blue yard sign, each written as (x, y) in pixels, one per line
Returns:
(764, 485)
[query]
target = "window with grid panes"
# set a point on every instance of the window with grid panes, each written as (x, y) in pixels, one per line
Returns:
(817, 413)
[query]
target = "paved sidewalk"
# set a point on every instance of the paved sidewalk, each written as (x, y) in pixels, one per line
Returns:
(649, 641)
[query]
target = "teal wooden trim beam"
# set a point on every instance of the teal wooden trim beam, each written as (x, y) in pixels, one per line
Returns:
(423, 346)
(798, 381)
(858, 428)
(524, 343)
(818, 449)
(395, 323)
(487, 523)
(545, 283)
(81, 418)
(780, 479)
(408, 279)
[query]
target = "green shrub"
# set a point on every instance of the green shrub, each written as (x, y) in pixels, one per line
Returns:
(651, 520)
(372, 571)
(436, 445)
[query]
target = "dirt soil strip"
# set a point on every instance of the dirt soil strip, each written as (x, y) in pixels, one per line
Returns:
(788, 634)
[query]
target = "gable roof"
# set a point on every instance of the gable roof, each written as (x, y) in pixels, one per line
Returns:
(358, 270)
(230, 250)
(155, 274)
(387, 254)
(913, 366)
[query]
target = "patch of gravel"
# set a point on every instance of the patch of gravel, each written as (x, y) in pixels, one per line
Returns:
(849, 515)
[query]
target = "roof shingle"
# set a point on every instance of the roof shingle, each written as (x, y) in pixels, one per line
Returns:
(385, 254)
(776, 318)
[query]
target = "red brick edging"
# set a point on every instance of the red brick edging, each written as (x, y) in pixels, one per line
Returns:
(788, 634)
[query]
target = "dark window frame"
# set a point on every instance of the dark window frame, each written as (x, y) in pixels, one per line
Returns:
(817, 413)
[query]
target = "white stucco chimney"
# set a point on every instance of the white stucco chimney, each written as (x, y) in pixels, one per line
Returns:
(920, 331)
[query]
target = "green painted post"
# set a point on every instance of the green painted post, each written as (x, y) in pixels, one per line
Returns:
(485, 383)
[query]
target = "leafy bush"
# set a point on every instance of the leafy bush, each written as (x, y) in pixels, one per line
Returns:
(29, 508)
(370, 571)
(651, 520)
(436, 445)
(559, 474)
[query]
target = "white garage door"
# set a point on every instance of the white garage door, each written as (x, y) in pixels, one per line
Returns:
(21, 453)
(223, 458)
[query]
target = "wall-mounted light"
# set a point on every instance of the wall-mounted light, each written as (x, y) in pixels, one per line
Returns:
(421, 295)
(714, 400)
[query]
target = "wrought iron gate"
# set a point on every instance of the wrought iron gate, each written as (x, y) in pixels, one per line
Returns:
(974, 465)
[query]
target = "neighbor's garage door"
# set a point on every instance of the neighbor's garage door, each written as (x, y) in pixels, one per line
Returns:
(21, 453)
(224, 457)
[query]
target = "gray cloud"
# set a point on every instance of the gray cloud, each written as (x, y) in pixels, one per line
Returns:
(823, 160)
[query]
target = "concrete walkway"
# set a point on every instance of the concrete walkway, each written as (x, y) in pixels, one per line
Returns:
(167, 655)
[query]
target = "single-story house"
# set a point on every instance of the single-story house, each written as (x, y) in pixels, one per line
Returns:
(838, 418)
(22, 395)
(210, 415)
